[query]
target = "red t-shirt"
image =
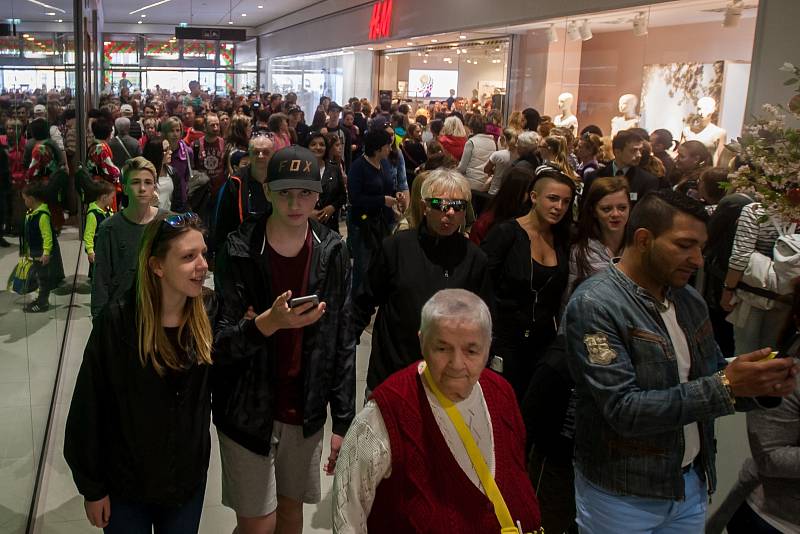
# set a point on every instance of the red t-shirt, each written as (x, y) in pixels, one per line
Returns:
(289, 273)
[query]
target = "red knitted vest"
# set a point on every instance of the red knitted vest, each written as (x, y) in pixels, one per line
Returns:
(427, 491)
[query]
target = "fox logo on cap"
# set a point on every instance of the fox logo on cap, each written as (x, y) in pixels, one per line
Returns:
(294, 165)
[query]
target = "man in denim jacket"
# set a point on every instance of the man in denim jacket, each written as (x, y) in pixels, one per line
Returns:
(651, 380)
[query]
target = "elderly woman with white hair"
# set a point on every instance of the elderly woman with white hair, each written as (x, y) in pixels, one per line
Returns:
(439, 446)
(411, 266)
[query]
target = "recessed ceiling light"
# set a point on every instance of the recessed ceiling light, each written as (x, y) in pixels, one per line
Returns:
(434, 40)
(52, 14)
(25, 35)
(138, 22)
(244, 14)
(230, 22)
(60, 20)
(388, 46)
(143, 15)
(462, 36)
(260, 7)
(424, 60)
(370, 48)
(154, 4)
(410, 43)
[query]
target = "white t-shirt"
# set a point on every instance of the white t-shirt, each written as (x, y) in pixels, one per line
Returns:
(691, 432)
(502, 162)
(165, 188)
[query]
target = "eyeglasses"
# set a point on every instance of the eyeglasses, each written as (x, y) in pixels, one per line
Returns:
(176, 220)
(445, 205)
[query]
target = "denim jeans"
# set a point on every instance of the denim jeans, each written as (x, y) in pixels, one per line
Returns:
(600, 512)
(131, 517)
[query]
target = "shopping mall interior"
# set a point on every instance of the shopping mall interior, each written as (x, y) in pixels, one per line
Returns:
(651, 62)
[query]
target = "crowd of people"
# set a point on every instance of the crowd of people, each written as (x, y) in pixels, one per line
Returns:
(551, 315)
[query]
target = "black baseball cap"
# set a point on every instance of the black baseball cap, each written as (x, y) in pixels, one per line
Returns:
(294, 167)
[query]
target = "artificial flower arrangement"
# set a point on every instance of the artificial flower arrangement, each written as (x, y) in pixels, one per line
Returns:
(768, 155)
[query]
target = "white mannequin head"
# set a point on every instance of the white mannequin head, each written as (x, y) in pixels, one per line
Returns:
(627, 104)
(706, 106)
(565, 102)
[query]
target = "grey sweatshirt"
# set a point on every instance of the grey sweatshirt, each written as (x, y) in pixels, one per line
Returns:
(116, 248)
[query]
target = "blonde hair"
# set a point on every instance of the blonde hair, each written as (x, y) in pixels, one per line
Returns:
(169, 123)
(416, 206)
(445, 181)
(139, 163)
(194, 333)
(557, 145)
(454, 127)
(517, 121)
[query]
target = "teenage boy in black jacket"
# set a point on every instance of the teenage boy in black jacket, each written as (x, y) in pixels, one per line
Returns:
(293, 362)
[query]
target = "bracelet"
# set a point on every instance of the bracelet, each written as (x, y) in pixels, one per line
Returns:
(726, 383)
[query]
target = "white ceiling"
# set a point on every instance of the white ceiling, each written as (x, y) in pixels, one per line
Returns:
(173, 12)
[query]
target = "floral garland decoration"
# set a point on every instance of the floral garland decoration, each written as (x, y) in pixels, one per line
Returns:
(769, 156)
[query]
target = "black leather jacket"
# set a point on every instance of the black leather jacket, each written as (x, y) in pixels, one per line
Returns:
(243, 391)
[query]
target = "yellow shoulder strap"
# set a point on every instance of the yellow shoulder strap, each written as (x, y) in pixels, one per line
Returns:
(475, 456)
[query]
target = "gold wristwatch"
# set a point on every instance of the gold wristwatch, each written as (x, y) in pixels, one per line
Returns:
(727, 384)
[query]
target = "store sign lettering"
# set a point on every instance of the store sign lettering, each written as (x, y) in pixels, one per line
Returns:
(381, 20)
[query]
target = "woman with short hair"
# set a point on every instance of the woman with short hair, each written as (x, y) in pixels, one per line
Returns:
(137, 435)
(411, 266)
(182, 156)
(404, 466)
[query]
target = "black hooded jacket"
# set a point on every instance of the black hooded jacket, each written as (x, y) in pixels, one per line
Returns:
(243, 403)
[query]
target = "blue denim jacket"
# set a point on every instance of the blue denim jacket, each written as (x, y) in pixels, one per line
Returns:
(632, 407)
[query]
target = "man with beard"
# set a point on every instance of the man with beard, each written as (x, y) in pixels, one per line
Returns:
(651, 380)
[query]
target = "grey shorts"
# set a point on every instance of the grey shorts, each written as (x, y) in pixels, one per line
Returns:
(251, 483)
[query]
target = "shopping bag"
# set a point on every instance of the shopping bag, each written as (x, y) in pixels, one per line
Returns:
(21, 281)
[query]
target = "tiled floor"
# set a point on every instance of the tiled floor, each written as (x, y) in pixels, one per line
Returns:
(29, 349)
(61, 508)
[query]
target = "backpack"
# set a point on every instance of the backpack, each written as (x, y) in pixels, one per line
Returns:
(786, 257)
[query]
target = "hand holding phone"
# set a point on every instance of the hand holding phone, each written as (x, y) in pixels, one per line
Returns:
(281, 315)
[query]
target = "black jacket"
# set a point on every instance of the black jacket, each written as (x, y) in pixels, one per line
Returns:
(131, 433)
(334, 193)
(238, 198)
(640, 181)
(412, 265)
(243, 402)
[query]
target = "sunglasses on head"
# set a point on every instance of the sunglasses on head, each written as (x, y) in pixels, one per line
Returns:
(176, 220)
(444, 205)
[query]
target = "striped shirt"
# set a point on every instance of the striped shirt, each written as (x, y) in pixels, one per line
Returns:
(752, 236)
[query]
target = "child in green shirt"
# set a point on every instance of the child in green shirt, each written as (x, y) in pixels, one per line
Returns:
(98, 211)
(40, 244)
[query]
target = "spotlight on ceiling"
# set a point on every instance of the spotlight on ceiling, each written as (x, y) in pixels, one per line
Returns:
(586, 31)
(640, 24)
(573, 32)
(733, 14)
(552, 34)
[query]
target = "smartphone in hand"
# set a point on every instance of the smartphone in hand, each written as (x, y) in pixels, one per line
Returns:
(299, 301)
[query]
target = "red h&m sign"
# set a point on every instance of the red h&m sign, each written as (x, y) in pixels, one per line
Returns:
(381, 20)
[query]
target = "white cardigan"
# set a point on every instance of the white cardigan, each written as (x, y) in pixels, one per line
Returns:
(476, 153)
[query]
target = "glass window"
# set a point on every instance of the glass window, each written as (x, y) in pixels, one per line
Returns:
(9, 46)
(227, 54)
(161, 48)
(121, 52)
(199, 49)
(35, 47)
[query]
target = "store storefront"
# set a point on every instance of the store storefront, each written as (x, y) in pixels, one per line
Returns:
(675, 63)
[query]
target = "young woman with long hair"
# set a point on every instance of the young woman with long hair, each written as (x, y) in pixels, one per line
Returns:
(238, 139)
(601, 229)
(334, 192)
(529, 265)
(554, 150)
(510, 202)
(137, 437)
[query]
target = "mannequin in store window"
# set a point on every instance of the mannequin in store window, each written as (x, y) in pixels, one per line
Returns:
(702, 129)
(628, 117)
(566, 119)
